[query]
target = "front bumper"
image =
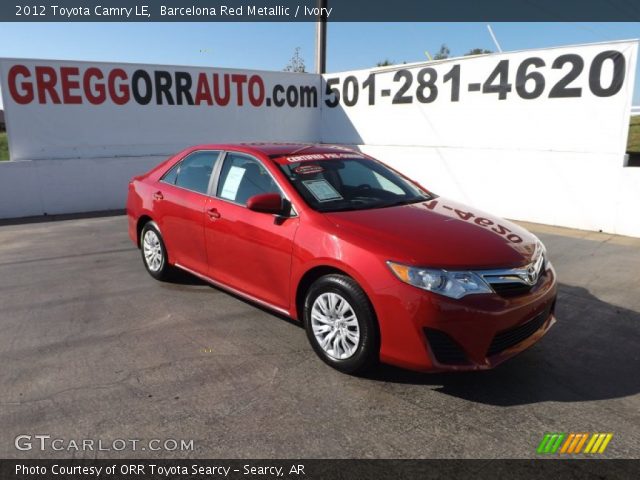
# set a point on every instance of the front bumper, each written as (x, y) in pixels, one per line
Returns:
(429, 332)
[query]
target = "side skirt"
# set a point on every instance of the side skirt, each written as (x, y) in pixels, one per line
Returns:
(234, 291)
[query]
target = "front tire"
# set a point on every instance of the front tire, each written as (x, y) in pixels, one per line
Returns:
(154, 253)
(341, 324)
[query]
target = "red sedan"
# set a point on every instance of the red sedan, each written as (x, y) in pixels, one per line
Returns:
(376, 267)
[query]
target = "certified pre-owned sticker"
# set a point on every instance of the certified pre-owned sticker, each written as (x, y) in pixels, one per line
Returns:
(310, 157)
(308, 169)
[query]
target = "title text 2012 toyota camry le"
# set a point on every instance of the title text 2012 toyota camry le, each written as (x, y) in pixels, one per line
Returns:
(376, 267)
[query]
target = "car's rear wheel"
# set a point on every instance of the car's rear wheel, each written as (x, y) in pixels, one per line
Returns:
(341, 324)
(154, 253)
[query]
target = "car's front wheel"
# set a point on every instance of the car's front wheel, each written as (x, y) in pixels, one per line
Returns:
(341, 324)
(154, 253)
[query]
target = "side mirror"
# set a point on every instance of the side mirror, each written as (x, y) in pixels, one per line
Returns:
(266, 203)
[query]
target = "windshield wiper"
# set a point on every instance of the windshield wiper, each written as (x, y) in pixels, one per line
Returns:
(397, 203)
(373, 206)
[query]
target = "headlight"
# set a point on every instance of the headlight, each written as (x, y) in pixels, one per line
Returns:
(443, 282)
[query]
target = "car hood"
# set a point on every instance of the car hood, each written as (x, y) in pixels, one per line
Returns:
(438, 233)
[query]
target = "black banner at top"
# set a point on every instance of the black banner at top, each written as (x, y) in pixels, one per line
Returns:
(308, 10)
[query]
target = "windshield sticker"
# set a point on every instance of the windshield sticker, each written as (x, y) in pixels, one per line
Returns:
(232, 182)
(308, 169)
(322, 190)
(310, 157)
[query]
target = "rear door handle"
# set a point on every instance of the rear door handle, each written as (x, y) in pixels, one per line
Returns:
(158, 195)
(213, 213)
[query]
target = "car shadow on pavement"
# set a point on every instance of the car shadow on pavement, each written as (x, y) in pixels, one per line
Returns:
(184, 278)
(591, 353)
(180, 277)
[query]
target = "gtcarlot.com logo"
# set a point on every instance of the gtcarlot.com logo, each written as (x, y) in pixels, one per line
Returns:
(47, 442)
(569, 443)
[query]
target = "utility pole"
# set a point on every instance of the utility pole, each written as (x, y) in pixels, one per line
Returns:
(321, 37)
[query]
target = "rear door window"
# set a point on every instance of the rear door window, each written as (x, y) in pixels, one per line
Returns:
(194, 172)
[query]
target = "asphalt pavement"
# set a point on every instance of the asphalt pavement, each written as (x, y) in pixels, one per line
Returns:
(92, 348)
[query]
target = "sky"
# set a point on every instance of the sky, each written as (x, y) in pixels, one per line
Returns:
(269, 46)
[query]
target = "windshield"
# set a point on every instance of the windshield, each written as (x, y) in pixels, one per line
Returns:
(349, 184)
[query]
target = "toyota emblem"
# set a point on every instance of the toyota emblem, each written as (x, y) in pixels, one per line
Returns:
(532, 275)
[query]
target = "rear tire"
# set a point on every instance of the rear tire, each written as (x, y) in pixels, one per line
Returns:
(341, 324)
(154, 253)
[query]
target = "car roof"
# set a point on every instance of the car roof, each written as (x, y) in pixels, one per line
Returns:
(275, 150)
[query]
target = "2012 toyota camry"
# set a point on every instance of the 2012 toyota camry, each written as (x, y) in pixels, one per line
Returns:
(377, 267)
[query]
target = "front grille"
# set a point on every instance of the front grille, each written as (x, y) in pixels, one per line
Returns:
(514, 282)
(514, 336)
(511, 289)
(444, 348)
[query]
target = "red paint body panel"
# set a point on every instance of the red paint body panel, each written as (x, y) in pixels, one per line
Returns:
(251, 252)
(265, 257)
(180, 215)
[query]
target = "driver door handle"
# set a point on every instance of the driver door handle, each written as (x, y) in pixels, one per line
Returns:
(158, 195)
(213, 213)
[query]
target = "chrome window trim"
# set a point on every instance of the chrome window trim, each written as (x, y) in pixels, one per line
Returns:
(178, 163)
(218, 172)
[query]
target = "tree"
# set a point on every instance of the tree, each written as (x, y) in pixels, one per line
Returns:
(442, 53)
(477, 51)
(384, 63)
(296, 64)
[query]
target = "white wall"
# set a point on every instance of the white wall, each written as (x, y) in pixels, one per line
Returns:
(589, 192)
(555, 161)
(29, 188)
(42, 127)
(73, 157)
(577, 120)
